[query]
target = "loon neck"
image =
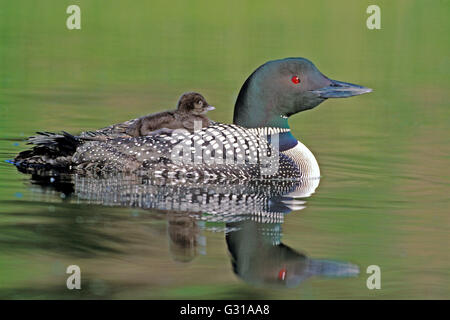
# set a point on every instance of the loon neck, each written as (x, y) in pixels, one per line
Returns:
(255, 108)
(286, 141)
(281, 136)
(245, 116)
(260, 114)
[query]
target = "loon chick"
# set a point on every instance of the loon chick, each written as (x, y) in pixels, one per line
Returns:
(275, 91)
(191, 109)
(190, 112)
(55, 150)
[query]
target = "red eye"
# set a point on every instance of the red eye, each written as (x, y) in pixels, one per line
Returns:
(282, 274)
(295, 79)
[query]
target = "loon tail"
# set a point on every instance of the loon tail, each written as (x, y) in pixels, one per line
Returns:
(51, 150)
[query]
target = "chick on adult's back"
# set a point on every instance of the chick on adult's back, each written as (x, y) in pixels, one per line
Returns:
(190, 113)
(56, 149)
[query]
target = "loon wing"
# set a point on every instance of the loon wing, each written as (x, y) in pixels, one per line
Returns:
(114, 131)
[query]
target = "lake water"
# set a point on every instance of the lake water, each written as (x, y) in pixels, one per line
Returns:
(383, 198)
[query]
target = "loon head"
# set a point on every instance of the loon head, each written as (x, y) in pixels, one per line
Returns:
(281, 88)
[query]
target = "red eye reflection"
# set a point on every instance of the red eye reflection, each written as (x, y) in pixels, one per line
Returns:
(282, 274)
(295, 79)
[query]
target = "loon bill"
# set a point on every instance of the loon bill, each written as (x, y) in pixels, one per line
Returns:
(257, 145)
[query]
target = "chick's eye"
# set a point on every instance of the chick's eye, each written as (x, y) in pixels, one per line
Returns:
(295, 79)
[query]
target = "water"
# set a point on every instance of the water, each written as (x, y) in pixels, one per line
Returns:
(382, 199)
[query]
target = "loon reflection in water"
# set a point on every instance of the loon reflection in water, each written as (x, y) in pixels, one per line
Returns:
(250, 214)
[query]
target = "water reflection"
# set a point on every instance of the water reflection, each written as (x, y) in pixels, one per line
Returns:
(184, 232)
(251, 215)
(260, 258)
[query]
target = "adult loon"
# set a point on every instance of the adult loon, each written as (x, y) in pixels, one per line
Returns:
(257, 145)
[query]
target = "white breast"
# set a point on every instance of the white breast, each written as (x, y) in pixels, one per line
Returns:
(309, 169)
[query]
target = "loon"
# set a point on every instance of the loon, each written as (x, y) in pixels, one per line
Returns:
(191, 108)
(257, 145)
(54, 151)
